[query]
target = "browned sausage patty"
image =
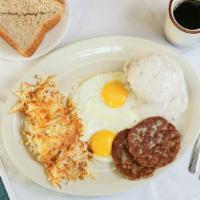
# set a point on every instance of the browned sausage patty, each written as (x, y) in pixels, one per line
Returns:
(124, 162)
(154, 142)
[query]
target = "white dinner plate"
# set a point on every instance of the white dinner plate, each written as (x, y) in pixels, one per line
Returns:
(51, 40)
(71, 65)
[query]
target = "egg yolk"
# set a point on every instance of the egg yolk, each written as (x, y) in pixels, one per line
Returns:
(101, 142)
(114, 94)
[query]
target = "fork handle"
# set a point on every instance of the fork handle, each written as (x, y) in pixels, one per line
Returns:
(194, 162)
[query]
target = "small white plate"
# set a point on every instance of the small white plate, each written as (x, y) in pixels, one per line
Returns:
(73, 63)
(51, 40)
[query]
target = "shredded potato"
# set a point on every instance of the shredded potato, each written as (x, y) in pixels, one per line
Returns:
(52, 131)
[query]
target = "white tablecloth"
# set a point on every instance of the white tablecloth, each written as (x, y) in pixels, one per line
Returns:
(92, 18)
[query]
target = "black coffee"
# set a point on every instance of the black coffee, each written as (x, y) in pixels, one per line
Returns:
(187, 14)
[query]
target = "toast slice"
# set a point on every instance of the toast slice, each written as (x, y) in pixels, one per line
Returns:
(24, 23)
(24, 7)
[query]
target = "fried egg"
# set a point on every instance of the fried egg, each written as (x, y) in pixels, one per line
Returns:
(105, 106)
(101, 144)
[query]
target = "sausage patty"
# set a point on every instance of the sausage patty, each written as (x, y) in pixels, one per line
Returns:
(124, 162)
(154, 142)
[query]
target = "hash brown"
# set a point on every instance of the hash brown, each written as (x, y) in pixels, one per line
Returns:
(52, 130)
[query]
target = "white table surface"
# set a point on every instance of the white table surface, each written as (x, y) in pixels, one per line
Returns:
(92, 18)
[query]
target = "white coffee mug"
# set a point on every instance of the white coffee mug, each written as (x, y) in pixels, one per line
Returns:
(177, 34)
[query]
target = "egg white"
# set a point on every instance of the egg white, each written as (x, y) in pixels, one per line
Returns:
(102, 158)
(95, 114)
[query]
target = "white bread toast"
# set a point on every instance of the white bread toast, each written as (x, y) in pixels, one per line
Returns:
(24, 23)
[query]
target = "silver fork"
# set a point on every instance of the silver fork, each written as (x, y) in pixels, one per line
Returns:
(194, 161)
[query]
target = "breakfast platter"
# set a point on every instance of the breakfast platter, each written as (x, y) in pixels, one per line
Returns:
(127, 124)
